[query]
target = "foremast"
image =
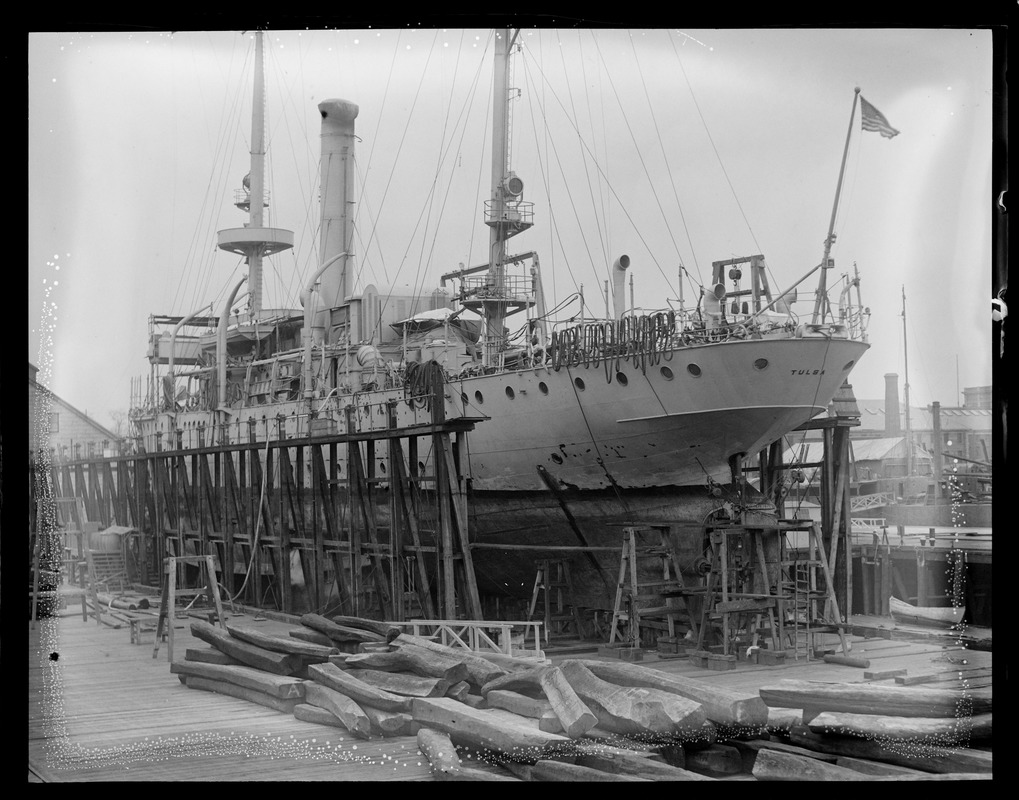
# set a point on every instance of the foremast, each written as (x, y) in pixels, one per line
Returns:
(254, 241)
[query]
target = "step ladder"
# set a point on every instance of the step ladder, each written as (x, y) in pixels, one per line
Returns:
(632, 591)
(809, 597)
(553, 586)
(170, 593)
(727, 599)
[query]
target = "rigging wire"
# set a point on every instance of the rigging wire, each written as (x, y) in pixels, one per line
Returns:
(665, 157)
(602, 225)
(601, 171)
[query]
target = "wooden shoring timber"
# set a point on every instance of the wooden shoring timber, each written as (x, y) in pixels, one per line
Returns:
(81, 486)
(323, 491)
(110, 492)
(95, 490)
(362, 506)
(408, 506)
(182, 492)
(458, 503)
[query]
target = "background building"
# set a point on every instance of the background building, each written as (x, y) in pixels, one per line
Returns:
(62, 430)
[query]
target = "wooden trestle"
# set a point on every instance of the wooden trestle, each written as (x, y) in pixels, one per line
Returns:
(368, 544)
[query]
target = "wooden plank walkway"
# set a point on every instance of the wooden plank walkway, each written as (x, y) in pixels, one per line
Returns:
(102, 709)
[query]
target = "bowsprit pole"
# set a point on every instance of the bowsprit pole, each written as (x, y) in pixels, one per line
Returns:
(821, 300)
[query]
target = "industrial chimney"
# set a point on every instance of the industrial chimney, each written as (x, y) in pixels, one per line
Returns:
(893, 424)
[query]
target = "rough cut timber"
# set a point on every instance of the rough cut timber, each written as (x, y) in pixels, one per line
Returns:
(634, 710)
(240, 692)
(948, 731)
(282, 644)
(460, 691)
(721, 759)
(480, 670)
(397, 683)
(339, 633)
(521, 704)
(445, 763)
(349, 713)
(208, 655)
(509, 663)
(360, 692)
(549, 770)
(309, 713)
(390, 723)
(782, 719)
(721, 706)
(275, 685)
(514, 737)
(625, 763)
(440, 752)
(384, 629)
(772, 765)
(865, 698)
(874, 767)
(927, 758)
(749, 750)
(252, 655)
(527, 681)
(576, 718)
(308, 635)
(416, 660)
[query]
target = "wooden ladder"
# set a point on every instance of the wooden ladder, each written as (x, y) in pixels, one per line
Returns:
(554, 587)
(632, 591)
(170, 592)
(801, 592)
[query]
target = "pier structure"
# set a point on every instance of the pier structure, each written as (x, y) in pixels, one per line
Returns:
(295, 524)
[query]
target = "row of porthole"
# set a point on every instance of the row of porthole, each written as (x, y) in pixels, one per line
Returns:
(621, 379)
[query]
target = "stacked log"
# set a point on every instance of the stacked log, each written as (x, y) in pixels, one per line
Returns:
(581, 720)
(870, 727)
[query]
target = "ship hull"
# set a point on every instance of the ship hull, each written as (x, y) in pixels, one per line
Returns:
(652, 424)
(606, 424)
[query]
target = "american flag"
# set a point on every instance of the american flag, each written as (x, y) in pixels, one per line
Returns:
(874, 120)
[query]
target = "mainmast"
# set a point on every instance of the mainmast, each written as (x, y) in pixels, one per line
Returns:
(504, 216)
(254, 241)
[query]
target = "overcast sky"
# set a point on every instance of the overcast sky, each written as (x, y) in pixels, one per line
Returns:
(706, 145)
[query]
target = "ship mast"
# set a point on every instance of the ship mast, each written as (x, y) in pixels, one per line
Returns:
(254, 241)
(505, 188)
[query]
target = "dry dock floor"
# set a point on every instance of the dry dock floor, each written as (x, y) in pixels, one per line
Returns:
(103, 709)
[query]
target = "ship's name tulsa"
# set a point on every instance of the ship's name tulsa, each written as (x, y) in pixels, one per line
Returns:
(806, 372)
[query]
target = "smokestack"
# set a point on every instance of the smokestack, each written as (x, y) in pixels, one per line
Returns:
(337, 198)
(619, 285)
(936, 424)
(893, 424)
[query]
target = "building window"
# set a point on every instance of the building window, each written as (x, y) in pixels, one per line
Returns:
(54, 422)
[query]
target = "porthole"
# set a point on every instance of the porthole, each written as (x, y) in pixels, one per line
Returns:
(557, 458)
(849, 365)
(694, 370)
(621, 378)
(761, 363)
(510, 393)
(382, 466)
(478, 396)
(543, 387)
(579, 383)
(667, 373)
(421, 466)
